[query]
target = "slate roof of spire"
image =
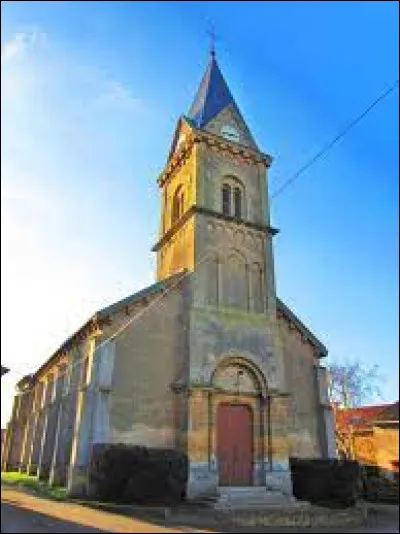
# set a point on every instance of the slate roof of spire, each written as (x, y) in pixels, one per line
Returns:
(212, 96)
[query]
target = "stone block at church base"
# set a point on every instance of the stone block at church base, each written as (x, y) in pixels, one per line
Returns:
(279, 481)
(77, 482)
(58, 475)
(202, 483)
(32, 470)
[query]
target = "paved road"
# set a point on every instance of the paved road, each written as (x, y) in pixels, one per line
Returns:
(21, 512)
(16, 519)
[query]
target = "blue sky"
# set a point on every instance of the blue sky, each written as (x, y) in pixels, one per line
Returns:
(91, 92)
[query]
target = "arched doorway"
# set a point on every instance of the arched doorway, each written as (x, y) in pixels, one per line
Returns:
(237, 390)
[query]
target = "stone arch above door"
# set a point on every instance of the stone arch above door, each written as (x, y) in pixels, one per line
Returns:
(238, 374)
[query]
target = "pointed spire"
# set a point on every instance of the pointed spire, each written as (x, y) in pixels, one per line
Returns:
(212, 96)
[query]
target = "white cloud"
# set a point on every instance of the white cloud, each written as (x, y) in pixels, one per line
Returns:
(116, 95)
(17, 46)
(26, 61)
(57, 150)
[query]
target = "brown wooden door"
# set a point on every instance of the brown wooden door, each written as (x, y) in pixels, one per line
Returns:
(235, 444)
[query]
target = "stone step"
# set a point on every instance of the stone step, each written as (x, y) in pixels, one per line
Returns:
(251, 497)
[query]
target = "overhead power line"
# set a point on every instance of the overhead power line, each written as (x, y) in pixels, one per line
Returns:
(185, 274)
(327, 147)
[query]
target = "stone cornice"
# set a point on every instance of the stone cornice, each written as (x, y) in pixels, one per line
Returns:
(174, 229)
(176, 161)
(199, 209)
(241, 153)
(294, 323)
(206, 387)
(255, 226)
(90, 328)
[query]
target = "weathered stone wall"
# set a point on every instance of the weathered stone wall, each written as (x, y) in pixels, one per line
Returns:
(177, 252)
(214, 166)
(15, 433)
(307, 423)
(150, 357)
(44, 424)
(231, 266)
(230, 116)
(280, 414)
(217, 334)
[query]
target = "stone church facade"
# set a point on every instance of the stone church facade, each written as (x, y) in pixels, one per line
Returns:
(208, 359)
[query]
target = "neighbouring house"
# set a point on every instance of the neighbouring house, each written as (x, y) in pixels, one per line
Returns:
(208, 360)
(374, 435)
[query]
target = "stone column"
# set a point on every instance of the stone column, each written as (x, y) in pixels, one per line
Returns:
(278, 478)
(270, 280)
(27, 430)
(250, 283)
(49, 434)
(220, 296)
(329, 421)
(27, 446)
(6, 447)
(44, 419)
(102, 380)
(38, 430)
(64, 426)
(263, 291)
(261, 460)
(33, 419)
(85, 420)
(9, 438)
(326, 420)
(14, 436)
(203, 474)
(22, 422)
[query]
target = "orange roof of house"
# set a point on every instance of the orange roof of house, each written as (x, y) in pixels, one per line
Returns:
(363, 417)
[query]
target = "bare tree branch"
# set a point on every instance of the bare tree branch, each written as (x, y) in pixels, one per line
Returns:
(350, 385)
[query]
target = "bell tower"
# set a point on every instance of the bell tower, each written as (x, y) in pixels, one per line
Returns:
(215, 224)
(214, 212)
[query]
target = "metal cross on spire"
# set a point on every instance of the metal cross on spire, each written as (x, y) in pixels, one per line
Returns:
(213, 38)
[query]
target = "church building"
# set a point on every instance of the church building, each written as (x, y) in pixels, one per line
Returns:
(207, 360)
